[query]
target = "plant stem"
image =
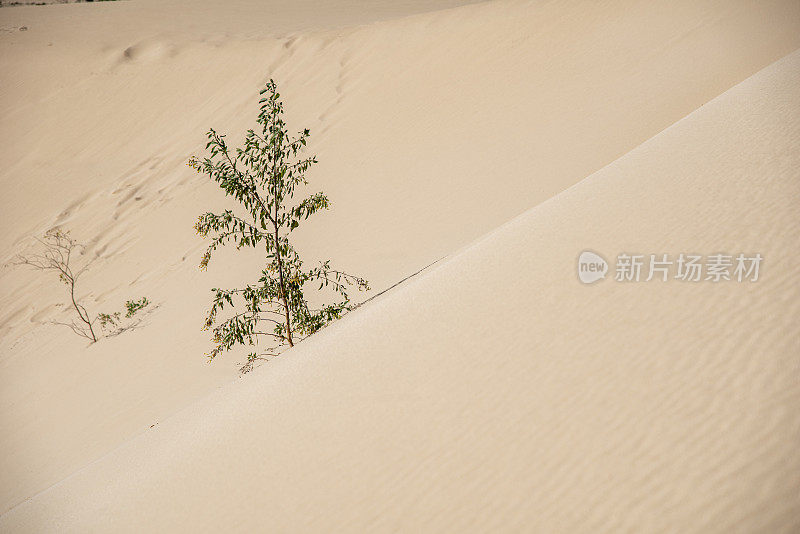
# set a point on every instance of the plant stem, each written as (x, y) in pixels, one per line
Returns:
(85, 318)
(281, 279)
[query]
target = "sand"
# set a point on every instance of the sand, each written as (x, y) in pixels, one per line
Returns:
(492, 391)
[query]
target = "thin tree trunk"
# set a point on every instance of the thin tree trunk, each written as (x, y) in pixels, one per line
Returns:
(276, 165)
(77, 309)
(282, 283)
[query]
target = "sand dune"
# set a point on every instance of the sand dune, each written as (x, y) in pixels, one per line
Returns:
(461, 402)
(449, 401)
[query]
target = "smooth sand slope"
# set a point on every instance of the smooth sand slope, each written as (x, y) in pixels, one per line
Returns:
(433, 124)
(464, 402)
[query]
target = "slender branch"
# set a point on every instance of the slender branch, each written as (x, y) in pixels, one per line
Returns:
(252, 184)
(282, 282)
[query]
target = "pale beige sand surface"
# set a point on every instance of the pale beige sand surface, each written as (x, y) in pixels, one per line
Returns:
(464, 402)
(433, 124)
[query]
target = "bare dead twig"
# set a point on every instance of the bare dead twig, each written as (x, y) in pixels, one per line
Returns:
(57, 256)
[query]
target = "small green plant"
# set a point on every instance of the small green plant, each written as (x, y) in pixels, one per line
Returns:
(109, 321)
(58, 255)
(263, 177)
(133, 306)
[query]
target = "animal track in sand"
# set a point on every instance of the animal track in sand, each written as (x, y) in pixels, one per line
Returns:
(136, 187)
(46, 313)
(290, 42)
(137, 176)
(11, 319)
(341, 83)
(147, 51)
(111, 244)
(71, 210)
